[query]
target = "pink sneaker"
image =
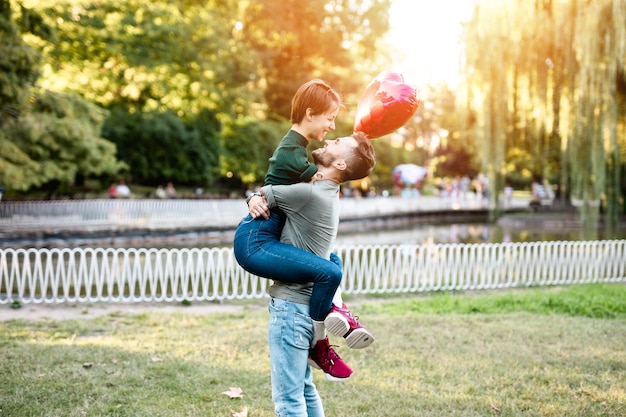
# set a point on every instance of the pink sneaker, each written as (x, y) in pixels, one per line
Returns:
(323, 357)
(341, 322)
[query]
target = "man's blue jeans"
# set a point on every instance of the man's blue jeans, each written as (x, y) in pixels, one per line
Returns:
(290, 332)
(259, 251)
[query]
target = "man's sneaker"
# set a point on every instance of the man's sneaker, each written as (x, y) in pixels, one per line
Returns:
(341, 322)
(323, 357)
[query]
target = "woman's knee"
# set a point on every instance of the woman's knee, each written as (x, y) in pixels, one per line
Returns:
(336, 260)
(334, 277)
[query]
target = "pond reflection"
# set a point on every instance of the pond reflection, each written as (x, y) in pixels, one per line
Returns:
(516, 230)
(513, 228)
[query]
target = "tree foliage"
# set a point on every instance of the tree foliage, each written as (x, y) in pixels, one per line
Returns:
(198, 91)
(18, 64)
(58, 139)
(546, 79)
(160, 147)
(45, 137)
(152, 55)
(334, 40)
(242, 61)
(248, 145)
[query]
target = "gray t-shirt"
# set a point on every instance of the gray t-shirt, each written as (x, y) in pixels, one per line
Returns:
(312, 211)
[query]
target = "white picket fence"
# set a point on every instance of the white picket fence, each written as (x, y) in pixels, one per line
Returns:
(90, 275)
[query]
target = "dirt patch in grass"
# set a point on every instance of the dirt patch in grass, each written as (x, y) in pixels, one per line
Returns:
(59, 312)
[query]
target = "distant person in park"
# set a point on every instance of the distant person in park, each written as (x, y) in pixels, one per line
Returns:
(312, 219)
(123, 191)
(508, 195)
(112, 191)
(170, 191)
(160, 192)
(397, 183)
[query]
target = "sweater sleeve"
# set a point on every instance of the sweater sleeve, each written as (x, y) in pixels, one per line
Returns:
(290, 164)
(308, 173)
(289, 198)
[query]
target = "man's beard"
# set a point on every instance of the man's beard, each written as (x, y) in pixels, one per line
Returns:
(321, 158)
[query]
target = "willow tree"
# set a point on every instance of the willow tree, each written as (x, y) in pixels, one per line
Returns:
(597, 113)
(547, 78)
(489, 58)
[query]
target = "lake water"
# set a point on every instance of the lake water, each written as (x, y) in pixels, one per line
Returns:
(466, 233)
(512, 228)
(524, 228)
(508, 229)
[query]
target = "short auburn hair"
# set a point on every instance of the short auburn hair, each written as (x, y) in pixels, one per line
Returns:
(362, 161)
(316, 95)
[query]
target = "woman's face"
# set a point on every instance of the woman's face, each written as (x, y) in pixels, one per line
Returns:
(320, 124)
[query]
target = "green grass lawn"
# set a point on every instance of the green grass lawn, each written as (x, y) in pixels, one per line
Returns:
(527, 352)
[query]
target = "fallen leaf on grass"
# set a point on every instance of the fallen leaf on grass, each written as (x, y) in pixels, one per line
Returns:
(494, 409)
(234, 392)
(242, 413)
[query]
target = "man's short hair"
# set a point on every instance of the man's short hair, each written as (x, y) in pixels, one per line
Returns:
(361, 162)
(316, 95)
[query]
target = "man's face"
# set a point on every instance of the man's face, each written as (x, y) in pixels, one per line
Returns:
(340, 148)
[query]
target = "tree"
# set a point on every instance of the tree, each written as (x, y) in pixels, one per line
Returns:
(335, 40)
(46, 139)
(544, 79)
(160, 147)
(19, 63)
(241, 61)
(248, 144)
(146, 55)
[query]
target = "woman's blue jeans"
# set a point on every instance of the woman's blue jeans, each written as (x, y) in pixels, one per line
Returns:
(259, 251)
(290, 332)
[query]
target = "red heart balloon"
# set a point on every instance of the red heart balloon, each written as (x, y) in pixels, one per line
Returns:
(387, 104)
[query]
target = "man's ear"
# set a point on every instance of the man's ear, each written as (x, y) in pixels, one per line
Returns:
(340, 164)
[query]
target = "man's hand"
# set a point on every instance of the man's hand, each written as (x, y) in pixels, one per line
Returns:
(317, 176)
(257, 205)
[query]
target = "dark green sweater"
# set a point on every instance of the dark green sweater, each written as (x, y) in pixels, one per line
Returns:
(290, 162)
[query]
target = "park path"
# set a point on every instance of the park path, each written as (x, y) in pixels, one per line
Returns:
(59, 312)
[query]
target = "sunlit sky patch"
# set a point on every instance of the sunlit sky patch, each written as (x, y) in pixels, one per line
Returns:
(426, 35)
